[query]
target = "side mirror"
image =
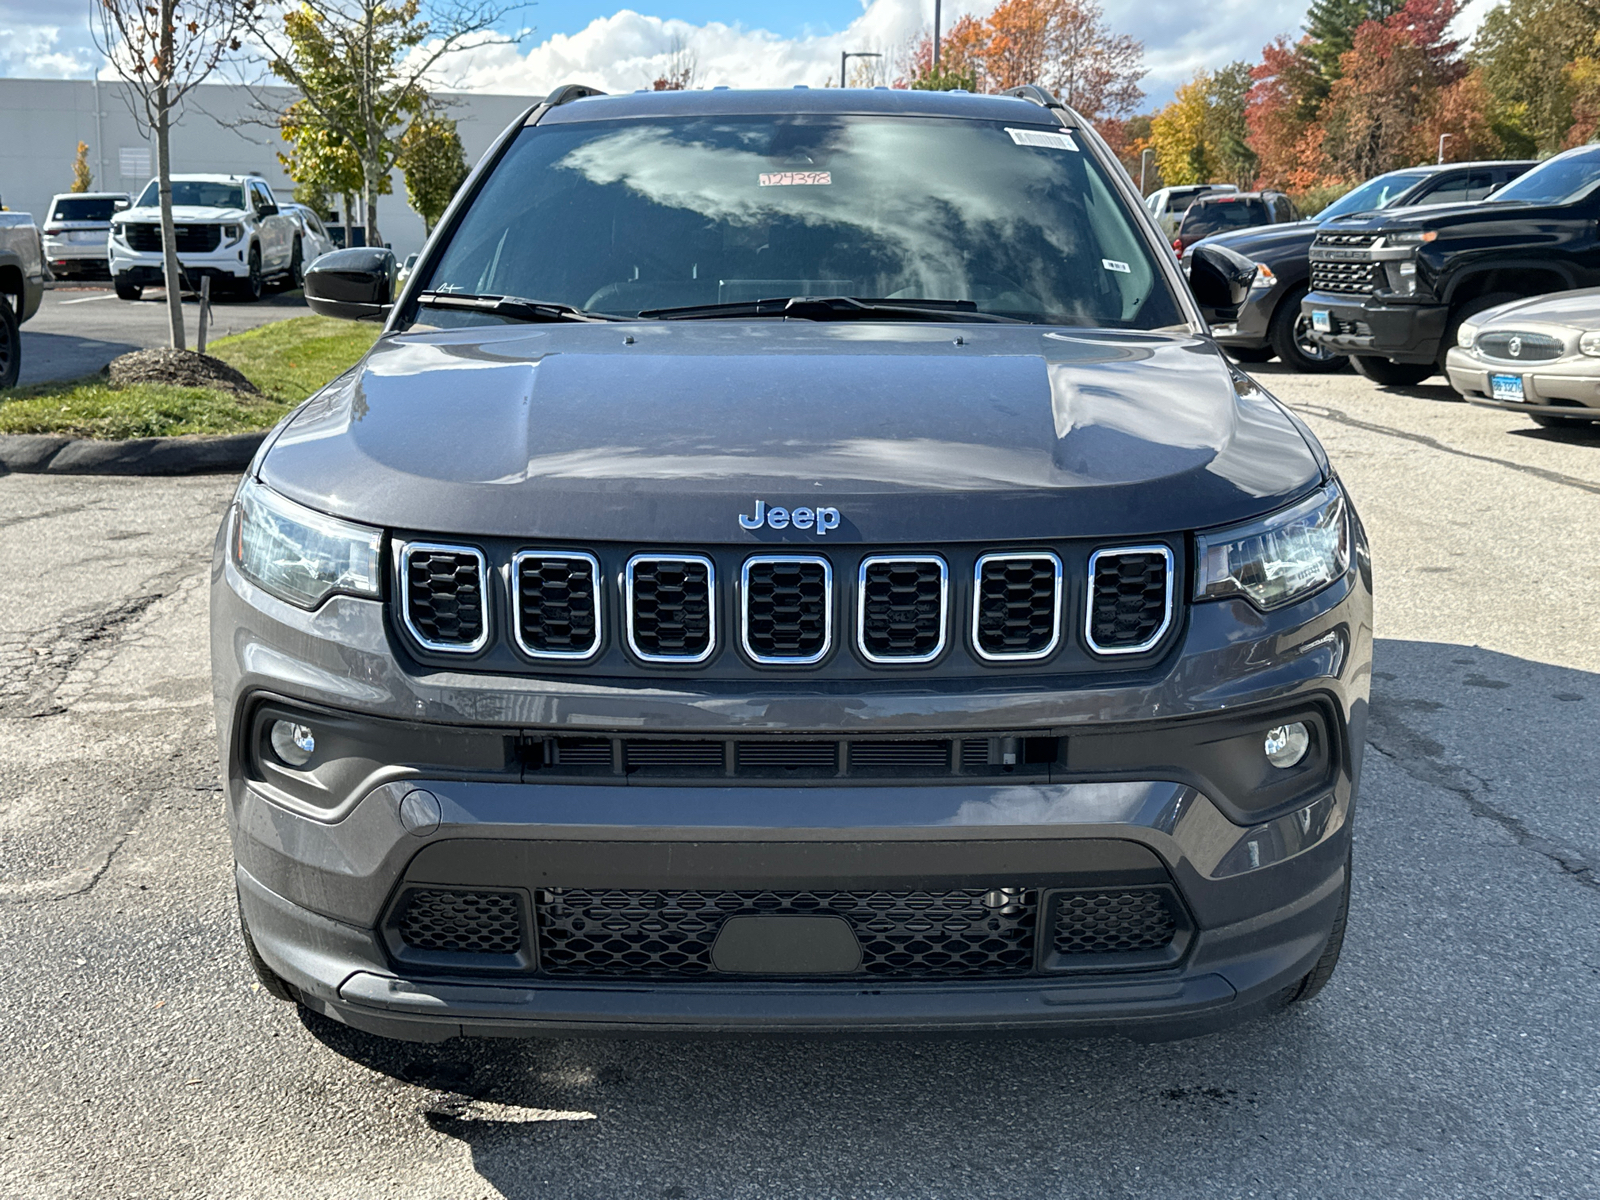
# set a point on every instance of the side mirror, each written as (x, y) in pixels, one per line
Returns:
(1220, 280)
(268, 210)
(119, 205)
(356, 284)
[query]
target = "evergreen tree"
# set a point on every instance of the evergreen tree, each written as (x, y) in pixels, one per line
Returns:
(1332, 24)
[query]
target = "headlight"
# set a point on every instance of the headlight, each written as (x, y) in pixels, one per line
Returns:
(299, 555)
(119, 233)
(1589, 343)
(1279, 559)
(231, 234)
(1467, 335)
(1264, 277)
(1410, 237)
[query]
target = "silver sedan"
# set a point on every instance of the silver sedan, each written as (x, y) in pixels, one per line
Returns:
(1540, 356)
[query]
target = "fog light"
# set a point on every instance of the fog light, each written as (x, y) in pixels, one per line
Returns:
(295, 744)
(1287, 744)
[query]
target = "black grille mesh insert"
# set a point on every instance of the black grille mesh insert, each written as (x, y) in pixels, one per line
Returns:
(1349, 278)
(786, 609)
(788, 756)
(701, 755)
(557, 604)
(969, 933)
(902, 608)
(444, 599)
(900, 756)
(1128, 595)
(1016, 605)
(671, 610)
(1113, 922)
(463, 922)
(191, 238)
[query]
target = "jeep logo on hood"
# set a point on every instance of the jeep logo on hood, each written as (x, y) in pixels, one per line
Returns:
(819, 519)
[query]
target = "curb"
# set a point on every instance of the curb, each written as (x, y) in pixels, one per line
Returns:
(196, 454)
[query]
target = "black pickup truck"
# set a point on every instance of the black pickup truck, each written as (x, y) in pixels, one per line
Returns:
(1391, 289)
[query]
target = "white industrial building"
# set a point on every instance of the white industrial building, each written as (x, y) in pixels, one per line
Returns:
(43, 120)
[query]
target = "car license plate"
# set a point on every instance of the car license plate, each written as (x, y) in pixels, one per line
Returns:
(1506, 387)
(1321, 321)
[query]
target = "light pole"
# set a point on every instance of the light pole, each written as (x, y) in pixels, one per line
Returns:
(1443, 137)
(1144, 161)
(843, 55)
(936, 38)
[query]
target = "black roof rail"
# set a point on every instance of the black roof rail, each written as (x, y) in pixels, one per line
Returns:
(1035, 94)
(570, 91)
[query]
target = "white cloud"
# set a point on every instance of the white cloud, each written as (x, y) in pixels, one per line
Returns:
(36, 51)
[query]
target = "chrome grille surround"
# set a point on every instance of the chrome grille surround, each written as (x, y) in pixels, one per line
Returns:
(1088, 608)
(827, 608)
(1531, 346)
(861, 608)
(977, 608)
(516, 602)
(406, 551)
(630, 616)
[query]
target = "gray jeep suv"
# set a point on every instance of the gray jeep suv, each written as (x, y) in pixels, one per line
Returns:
(793, 560)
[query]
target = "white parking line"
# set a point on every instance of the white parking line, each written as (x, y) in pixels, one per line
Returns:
(86, 299)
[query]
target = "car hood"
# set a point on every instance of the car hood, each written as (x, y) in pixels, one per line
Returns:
(667, 432)
(1263, 239)
(182, 214)
(1577, 310)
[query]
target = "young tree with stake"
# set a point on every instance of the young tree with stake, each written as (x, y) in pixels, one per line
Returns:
(162, 49)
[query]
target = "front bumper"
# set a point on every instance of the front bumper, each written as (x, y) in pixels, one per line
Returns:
(1251, 329)
(147, 268)
(321, 890)
(1404, 333)
(1557, 388)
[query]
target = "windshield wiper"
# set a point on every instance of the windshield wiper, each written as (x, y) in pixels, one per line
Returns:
(834, 308)
(518, 308)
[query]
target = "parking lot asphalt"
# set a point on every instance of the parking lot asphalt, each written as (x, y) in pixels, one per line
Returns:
(1454, 1054)
(79, 328)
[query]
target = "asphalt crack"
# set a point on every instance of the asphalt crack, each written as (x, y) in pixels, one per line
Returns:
(1422, 758)
(1549, 476)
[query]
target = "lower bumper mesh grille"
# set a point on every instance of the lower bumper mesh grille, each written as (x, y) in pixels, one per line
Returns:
(967, 933)
(463, 922)
(1114, 922)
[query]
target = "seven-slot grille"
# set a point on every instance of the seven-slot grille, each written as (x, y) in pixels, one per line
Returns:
(1130, 599)
(192, 239)
(1520, 347)
(561, 606)
(900, 609)
(558, 604)
(786, 608)
(1016, 610)
(672, 616)
(442, 596)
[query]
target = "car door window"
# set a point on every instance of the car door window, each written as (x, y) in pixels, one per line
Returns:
(1480, 184)
(1455, 188)
(260, 198)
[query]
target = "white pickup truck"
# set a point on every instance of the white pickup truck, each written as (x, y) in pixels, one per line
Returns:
(228, 227)
(22, 280)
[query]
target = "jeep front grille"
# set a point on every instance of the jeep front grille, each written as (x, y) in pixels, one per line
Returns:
(442, 596)
(967, 933)
(1016, 613)
(1130, 599)
(558, 607)
(671, 613)
(786, 609)
(900, 609)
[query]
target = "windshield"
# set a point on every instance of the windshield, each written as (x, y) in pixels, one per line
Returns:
(621, 217)
(97, 209)
(195, 194)
(1206, 217)
(1562, 178)
(1373, 194)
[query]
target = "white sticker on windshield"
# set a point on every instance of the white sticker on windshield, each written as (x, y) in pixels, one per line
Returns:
(1112, 264)
(797, 179)
(1042, 138)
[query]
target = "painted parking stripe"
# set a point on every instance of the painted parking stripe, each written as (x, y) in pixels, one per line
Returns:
(86, 299)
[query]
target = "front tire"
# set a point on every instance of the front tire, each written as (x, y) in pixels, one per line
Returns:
(1319, 975)
(1290, 334)
(127, 289)
(10, 345)
(249, 288)
(1391, 374)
